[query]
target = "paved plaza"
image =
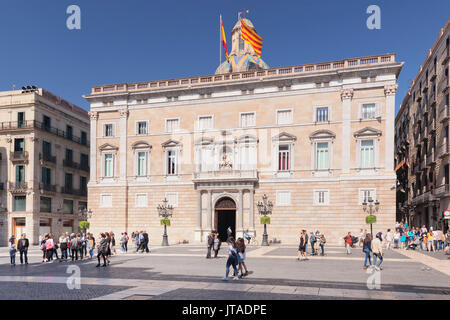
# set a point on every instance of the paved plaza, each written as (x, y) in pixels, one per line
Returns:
(182, 272)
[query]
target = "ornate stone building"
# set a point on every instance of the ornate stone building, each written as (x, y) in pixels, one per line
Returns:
(44, 164)
(318, 139)
(422, 141)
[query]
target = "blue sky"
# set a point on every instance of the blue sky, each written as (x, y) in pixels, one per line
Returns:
(142, 40)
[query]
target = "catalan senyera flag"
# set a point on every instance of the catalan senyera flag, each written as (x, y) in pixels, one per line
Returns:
(251, 37)
(224, 40)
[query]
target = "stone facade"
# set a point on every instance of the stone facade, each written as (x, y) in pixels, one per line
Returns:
(422, 141)
(36, 130)
(317, 139)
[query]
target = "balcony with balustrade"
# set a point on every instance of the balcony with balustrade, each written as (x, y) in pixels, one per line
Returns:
(44, 187)
(19, 156)
(45, 157)
(226, 175)
(70, 164)
(442, 191)
(423, 198)
(17, 187)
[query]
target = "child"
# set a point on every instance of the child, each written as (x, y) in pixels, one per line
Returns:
(12, 253)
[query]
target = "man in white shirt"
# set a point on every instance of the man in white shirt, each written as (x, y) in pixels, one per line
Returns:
(388, 238)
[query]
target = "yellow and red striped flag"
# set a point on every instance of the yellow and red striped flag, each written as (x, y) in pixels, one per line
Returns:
(251, 37)
(224, 39)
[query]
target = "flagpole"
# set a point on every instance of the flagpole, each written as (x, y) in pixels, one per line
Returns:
(220, 41)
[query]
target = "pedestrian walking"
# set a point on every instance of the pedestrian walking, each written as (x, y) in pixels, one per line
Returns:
(12, 254)
(240, 249)
(209, 244)
(397, 239)
(22, 246)
(232, 260)
(388, 238)
(312, 240)
(367, 249)
(229, 232)
(146, 242)
(90, 244)
(49, 247)
(102, 249)
(348, 243)
(322, 244)
(217, 244)
(108, 247)
(301, 253)
(377, 251)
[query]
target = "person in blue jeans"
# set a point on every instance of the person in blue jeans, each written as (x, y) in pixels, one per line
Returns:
(367, 245)
(232, 259)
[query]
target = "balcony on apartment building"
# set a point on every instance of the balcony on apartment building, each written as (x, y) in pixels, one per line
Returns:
(432, 124)
(442, 191)
(444, 84)
(431, 158)
(424, 197)
(18, 186)
(45, 157)
(250, 175)
(84, 167)
(19, 156)
(70, 164)
(74, 192)
(33, 124)
(47, 187)
(444, 150)
(446, 55)
(444, 113)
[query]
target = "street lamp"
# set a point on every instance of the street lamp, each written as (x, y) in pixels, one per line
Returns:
(265, 208)
(371, 207)
(84, 214)
(165, 211)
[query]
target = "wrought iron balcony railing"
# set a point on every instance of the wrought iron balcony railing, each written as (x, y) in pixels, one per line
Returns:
(19, 155)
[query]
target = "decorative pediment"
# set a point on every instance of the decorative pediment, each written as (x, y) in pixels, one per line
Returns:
(204, 141)
(248, 138)
(367, 132)
(108, 147)
(284, 136)
(171, 143)
(322, 134)
(141, 145)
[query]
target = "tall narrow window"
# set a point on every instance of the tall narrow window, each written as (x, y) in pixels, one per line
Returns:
(108, 165)
(19, 145)
(368, 111)
(20, 203)
(47, 123)
(322, 114)
(69, 132)
(322, 159)
(367, 154)
(20, 177)
(171, 162)
(68, 182)
(142, 127)
(141, 164)
(283, 158)
(83, 138)
(46, 176)
(109, 132)
(21, 119)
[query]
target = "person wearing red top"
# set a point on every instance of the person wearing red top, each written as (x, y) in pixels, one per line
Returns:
(348, 243)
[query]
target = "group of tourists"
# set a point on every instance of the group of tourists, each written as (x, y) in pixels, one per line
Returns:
(315, 239)
(236, 259)
(140, 239)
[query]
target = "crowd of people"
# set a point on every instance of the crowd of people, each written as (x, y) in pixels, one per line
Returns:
(316, 240)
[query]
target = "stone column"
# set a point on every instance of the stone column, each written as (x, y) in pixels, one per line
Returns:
(389, 92)
(240, 219)
(346, 97)
(251, 214)
(209, 212)
(123, 143)
(93, 151)
(198, 229)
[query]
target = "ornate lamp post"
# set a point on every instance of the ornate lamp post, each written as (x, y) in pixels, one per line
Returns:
(84, 215)
(165, 211)
(371, 207)
(265, 208)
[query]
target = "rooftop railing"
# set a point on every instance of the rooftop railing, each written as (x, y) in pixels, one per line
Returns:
(270, 73)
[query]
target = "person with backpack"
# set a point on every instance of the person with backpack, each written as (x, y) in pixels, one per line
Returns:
(377, 251)
(74, 247)
(102, 250)
(83, 251)
(322, 244)
(209, 244)
(49, 248)
(232, 260)
(312, 240)
(12, 254)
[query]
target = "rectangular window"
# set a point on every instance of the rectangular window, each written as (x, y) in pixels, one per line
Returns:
(283, 198)
(19, 145)
(283, 158)
(46, 204)
(84, 161)
(172, 125)
(82, 205)
(322, 161)
(46, 149)
(172, 198)
(83, 184)
(366, 194)
(20, 175)
(322, 114)
(321, 197)
(141, 164)
(171, 162)
(108, 165)
(68, 206)
(284, 116)
(368, 111)
(21, 119)
(47, 123)
(248, 119)
(69, 132)
(141, 127)
(83, 138)
(69, 155)
(68, 181)
(141, 200)
(205, 122)
(106, 201)
(109, 130)
(20, 203)
(367, 154)
(46, 176)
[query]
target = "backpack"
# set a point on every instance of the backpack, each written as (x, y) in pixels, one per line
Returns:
(74, 244)
(48, 245)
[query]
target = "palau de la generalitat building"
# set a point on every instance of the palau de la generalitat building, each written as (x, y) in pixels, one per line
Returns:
(317, 139)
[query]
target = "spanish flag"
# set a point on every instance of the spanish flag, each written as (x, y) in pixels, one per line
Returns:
(224, 40)
(251, 37)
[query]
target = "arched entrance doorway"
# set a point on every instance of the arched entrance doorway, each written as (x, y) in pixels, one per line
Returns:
(225, 216)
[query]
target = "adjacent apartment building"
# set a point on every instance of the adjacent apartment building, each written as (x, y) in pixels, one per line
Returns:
(317, 139)
(422, 141)
(44, 163)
